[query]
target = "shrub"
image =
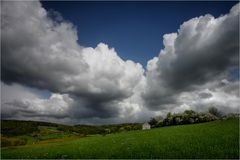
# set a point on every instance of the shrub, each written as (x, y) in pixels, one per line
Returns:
(231, 115)
(187, 117)
(191, 120)
(6, 141)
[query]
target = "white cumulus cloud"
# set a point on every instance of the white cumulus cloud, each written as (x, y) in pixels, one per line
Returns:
(95, 85)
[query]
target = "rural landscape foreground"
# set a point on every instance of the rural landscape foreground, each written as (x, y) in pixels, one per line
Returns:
(217, 139)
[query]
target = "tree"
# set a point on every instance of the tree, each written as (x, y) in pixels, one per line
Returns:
(169, 115)
(214, 111)
(153, 122)
(189, 112)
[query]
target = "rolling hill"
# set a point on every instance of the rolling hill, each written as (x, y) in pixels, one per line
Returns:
(217, 139)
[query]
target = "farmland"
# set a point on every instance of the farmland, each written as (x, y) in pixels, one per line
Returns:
(217, 139)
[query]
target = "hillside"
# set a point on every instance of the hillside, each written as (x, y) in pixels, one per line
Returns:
(17, 127)
(217, 139)
(16, 133)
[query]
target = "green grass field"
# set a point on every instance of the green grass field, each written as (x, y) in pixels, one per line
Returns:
(218, 139)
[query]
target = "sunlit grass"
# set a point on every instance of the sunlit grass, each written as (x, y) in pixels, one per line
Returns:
(218, 139)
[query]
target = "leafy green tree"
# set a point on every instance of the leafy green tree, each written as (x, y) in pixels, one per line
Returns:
(153, 122)
(214, 111)
(189, 112)
(169, 115)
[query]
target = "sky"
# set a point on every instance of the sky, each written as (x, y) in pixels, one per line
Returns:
(117, 62)
(134, 29)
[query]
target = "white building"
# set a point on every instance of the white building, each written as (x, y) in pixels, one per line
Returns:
(146, 125)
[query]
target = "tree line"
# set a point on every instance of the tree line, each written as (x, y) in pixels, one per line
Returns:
(188, 117)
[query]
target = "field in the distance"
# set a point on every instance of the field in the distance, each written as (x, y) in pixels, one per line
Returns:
(218, 139)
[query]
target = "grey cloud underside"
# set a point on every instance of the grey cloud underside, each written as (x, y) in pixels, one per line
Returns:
(94, 85)
(203, 50)
(200, 65)
(205, 95)
(42, 52)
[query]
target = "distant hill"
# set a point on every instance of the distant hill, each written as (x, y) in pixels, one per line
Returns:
(17, 132)
(18, 127)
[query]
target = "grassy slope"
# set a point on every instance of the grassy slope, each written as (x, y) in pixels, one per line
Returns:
(218, 139)
(11, 128)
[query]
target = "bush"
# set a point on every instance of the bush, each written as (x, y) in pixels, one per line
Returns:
(187, 117)
(15, 128)
(6, 141)
(177, 120)
(231, 115)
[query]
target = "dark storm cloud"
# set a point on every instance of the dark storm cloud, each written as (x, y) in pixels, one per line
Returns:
(197, 62)
(204, 95)
(43, 52)
(203, 49)
(94, 109)
(57, 108)
(94, 85)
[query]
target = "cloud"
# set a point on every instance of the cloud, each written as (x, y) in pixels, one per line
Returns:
(204, 49)
(22, 102)
(40, 53)
(46, 55)
(205, 95)
(220, 97)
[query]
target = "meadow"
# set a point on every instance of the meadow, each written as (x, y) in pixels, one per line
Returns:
(216, 139)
